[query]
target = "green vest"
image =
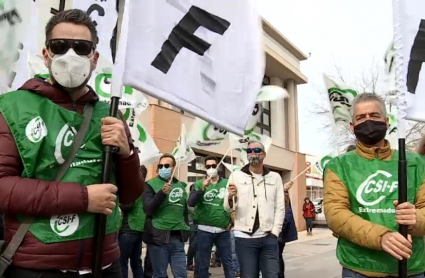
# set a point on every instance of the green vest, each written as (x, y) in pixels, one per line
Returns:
(137, 217)
(372, 187)
(44, 133)
(170, 215)
(209, 210)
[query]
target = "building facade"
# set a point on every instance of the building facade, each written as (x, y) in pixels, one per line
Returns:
(279, 121)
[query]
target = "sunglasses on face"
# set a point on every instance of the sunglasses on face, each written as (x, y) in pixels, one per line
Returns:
(254, 150)
(61, 46)
(166, 166)
(214, 166)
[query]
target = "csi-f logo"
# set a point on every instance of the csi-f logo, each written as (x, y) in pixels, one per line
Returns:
(175, 195)
(65, 139)
(36, 130)
(214, 193)
(64, 225)
(375, 188)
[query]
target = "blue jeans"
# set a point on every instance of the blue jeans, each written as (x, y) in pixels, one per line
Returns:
(258, 254)
(131, 248)
(205, 240)
(234, 256)
(168, 253)
(347, 273)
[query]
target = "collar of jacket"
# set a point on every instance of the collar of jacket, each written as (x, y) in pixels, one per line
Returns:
(245, 169)
(384, 153)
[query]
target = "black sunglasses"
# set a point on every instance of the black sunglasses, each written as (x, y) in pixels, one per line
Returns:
(211, 166)
(254, 150)
(61, 46)
(166, 166)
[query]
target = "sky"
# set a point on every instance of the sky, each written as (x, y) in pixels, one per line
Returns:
(352, 35)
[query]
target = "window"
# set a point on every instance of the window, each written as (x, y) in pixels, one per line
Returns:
(264, 124)
(196, 168)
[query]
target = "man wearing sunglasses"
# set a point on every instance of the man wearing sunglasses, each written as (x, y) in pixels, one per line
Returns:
(167, 224)
(39, 126)
(213, 221)
(256, 194)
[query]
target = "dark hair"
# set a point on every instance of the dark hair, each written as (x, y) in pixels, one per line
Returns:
(144, 171)
(208, 158)
(351, 148)
(74, 16)
(165, 155)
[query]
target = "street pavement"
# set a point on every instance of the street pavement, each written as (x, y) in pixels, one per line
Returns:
(309, 256)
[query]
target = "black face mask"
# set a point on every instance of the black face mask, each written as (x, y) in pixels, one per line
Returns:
(370, 132)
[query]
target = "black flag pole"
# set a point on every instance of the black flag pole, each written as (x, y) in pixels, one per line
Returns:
(402, 197)
(108, 155)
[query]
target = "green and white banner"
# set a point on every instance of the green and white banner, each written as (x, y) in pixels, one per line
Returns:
(340, 97)
(321, 163)
(204, 135)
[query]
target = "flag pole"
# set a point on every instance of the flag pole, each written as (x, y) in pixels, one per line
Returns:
(402, 109)
(108, 155)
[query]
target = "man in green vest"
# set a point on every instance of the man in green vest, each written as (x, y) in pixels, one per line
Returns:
(39, 125)
(167, 225)
(131, 235)
(360, 200)
(213, 221)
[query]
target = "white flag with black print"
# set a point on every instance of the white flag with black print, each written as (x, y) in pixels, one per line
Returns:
(202, 56)
(409, 45)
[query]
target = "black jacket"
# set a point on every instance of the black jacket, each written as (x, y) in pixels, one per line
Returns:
(151, 202)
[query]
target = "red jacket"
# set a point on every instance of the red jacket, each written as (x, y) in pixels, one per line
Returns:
(309, 210)
(41, 198)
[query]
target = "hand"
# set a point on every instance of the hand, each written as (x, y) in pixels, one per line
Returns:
(113, 134)
(405, 214)
(396, 245)
(229, 227)
(207, 183)
(233, 191)
(288, 185)
(166, 188)
(101, 198)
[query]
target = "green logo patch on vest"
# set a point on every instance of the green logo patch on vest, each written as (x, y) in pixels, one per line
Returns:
(36, 130)
(64, 225)
(375, 189)
(64, 140)
(212, 194)
(176, 195)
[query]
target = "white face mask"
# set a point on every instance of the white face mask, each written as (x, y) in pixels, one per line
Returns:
(212, 172)
(70, 69)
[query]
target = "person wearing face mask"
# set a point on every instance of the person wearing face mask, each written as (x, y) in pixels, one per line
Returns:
(52, 136)
(167, 224)
(256, 195)
(213, 221)
(360, 200)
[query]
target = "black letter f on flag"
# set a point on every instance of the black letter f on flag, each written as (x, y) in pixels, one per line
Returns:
(182, 35)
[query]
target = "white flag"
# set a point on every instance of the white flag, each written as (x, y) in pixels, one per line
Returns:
(202, 56)
(409, 37)
(183, 153)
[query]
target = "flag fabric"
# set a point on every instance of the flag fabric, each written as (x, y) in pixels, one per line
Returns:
(409, 24)
(321, 163)
(183, 153)
(15, 20)
(390, 70)
(203, 57)
(204, 135)
(341, 97)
